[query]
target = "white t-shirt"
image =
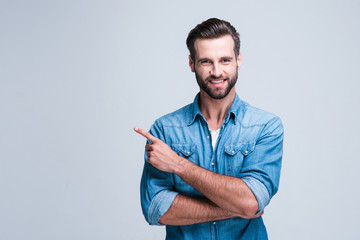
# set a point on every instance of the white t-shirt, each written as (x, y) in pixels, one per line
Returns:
(214, 137)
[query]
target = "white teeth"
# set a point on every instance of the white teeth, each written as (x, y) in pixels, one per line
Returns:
(220, 81)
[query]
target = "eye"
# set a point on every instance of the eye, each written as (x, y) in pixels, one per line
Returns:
(205, 62)
(226, 60)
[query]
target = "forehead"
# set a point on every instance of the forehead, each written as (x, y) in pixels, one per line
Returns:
(214, 47)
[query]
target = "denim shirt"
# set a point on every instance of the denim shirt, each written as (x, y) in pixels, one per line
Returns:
(249, 147)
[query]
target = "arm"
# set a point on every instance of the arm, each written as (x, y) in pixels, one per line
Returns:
(229, 193)
(257, 182)
(187, 210)
(162, 205)
(260, 173)
(261, 169)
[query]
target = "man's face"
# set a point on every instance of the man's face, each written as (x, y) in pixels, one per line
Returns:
(215, 66)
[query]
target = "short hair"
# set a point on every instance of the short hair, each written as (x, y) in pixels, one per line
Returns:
(212, 28)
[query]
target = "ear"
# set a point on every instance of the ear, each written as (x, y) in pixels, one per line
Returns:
(191, 64)
(239, 60)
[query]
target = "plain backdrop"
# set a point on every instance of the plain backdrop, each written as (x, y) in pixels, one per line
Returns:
(77, 76)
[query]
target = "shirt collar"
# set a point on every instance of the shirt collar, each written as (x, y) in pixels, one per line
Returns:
(234, 111)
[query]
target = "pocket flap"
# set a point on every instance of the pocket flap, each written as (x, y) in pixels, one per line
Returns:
(185, 148)
(244, 148)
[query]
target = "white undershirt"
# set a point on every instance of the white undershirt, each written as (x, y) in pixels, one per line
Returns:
(214, 137)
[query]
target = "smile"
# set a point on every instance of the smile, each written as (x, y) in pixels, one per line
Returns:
(217, 81)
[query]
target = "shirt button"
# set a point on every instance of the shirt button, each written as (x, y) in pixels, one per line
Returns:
(246, 151)
(208, 136)
(232, 152)
(188, 153)
(214, 223)
(212, 164)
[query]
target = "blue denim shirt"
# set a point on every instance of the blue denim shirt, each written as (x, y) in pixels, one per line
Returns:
(249, 147)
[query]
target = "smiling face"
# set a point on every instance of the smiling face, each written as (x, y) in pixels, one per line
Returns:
(215, 66)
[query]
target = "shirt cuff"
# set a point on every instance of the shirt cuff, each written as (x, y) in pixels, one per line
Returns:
(159, 205)
(260, 191)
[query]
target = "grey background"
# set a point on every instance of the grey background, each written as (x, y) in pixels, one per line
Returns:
(77, 76)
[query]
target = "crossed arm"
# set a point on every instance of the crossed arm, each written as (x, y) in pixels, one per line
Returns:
(227, 196)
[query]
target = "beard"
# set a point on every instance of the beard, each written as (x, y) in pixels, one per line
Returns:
(216, 93)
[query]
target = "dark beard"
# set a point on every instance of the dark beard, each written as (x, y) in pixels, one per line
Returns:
(216, 94)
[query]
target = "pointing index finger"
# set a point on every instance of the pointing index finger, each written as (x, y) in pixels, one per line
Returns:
(146, 134)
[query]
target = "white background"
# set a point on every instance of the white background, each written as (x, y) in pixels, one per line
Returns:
(77, 76)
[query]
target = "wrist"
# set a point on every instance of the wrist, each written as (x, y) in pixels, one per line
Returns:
(180, 167)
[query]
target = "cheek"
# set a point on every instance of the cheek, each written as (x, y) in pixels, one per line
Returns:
(231, 70)
(202, 71)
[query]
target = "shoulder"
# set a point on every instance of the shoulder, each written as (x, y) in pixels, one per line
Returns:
(253, 116)
(178, 118)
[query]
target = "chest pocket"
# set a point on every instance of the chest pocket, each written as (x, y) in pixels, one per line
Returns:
(185, 150)
(188, 151)
(235, 156)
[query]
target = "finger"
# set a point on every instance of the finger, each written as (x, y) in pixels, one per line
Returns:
(259, 214)
(146, 134)
(148, 147)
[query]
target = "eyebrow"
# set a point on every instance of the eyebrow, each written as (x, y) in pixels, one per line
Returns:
(227, 57)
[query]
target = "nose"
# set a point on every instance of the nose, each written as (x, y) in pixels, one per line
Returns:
(216, 70)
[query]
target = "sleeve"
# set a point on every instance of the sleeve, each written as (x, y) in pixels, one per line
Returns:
(261, 168)
(156, 187)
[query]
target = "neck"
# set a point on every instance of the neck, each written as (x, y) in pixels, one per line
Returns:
(215, 110)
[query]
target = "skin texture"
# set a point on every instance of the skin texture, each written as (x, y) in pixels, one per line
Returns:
(215, 67)
(186, 210)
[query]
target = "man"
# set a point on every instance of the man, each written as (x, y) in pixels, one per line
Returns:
(212, 166)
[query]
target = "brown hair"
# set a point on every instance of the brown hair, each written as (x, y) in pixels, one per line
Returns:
(212, 28)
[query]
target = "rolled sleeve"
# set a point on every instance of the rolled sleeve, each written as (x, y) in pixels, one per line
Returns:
(261, 168)
(156, 194)
(160, 205)
(260, 191)
(155, 188)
